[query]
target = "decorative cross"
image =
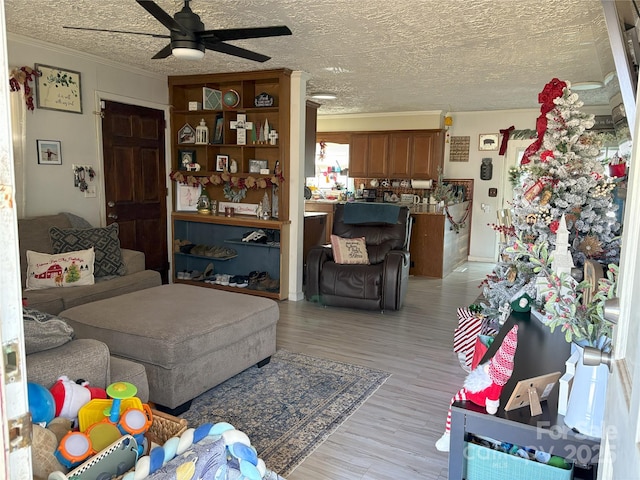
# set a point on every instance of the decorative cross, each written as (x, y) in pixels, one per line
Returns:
(273, 136)
(241, 126)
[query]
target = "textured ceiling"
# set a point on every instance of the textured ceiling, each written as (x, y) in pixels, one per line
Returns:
(377, 55)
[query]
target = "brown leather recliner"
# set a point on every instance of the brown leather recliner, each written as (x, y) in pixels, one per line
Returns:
(382, 285)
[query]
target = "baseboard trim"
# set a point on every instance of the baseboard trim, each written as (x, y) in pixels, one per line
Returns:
(481, 259)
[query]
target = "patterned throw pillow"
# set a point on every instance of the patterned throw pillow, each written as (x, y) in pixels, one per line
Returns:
(43, 331)
(349, 250)
(105, 242)
(70, 269)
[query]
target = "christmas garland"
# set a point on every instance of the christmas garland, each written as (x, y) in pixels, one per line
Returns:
(23, 75)
(456, 226)
(229, 181)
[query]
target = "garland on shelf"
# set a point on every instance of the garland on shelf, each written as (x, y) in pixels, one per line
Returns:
(456, 226)
(230, 182)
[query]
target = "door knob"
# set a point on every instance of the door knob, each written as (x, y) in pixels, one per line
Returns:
(111, 203)
(112, 215)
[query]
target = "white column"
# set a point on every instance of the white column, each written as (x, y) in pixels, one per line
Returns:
(296, 182)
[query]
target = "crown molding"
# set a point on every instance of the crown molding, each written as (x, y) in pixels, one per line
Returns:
(381, 115)
(78, 54)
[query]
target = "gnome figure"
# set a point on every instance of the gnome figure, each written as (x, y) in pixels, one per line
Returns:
(484, 384)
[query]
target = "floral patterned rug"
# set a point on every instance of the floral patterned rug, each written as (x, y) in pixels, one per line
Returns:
(289, 406)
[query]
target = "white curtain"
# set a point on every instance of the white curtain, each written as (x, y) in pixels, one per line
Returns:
(19, 129)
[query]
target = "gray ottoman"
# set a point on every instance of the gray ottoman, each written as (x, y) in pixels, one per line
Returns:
(188, 338)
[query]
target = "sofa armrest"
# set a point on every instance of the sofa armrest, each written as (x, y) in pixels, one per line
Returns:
(83, 358)
(133, 260)
(316, 258)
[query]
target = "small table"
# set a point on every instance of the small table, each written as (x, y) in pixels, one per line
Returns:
(539, 352)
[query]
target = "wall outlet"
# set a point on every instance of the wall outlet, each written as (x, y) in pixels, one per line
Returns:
(90, 192)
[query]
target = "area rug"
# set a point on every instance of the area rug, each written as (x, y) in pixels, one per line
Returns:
(289, 406)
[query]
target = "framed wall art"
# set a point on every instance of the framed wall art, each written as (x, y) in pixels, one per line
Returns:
(218, 131)
(186, 158)
(49, 152)
(222, 163)
(211, 99)
(256, 165)
(488, 141)
(187, 197)
(58, 89)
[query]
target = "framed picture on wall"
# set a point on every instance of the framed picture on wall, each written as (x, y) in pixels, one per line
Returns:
(49, 152)
(187, 198)
(58, 89)
(488, 141)
(222, 163)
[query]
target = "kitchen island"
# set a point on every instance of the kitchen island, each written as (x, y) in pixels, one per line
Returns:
(439, 239)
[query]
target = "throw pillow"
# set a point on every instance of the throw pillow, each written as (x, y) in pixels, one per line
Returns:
(105, 241)
(349, 250)
(43, 331)
(60, 270)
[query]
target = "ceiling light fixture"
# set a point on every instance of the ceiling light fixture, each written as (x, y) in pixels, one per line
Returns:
(188, 53)
(586, 85)
(324, 96)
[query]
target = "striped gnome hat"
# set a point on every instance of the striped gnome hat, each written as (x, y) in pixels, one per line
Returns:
(501, 365)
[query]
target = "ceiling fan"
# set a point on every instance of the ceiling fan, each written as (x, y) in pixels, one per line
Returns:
(189, 39)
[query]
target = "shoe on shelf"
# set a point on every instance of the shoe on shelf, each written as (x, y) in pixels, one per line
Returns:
(233, 281)
(243, 281)
(208, 271)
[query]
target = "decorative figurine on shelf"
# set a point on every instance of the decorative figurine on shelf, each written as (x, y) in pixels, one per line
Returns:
(259, 210)
(202, 133)
(240, 125)
(233, 168)
(273, 137)
(484, 384)
(266, 206)
(193, 167)
(264, 134)
(204, 203)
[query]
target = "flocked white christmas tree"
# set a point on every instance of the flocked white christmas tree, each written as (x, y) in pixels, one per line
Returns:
(559, 176)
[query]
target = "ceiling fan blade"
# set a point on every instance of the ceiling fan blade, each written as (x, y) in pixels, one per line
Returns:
(164, 53)
(236, 51)
(242, 33)
(154, 35)
(162, 16)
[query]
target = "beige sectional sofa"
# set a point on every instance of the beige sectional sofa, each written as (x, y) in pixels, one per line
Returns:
(33, 234)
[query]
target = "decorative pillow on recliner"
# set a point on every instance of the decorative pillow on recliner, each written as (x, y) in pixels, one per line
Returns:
(43, 331)
(105, 242)
(70, 269)
(349, 251)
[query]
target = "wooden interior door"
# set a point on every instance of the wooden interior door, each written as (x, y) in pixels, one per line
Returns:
(135, 180)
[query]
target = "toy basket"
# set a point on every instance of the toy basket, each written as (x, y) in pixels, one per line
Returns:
(164, 427)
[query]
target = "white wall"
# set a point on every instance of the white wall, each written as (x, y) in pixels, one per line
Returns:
(50, 188)
(472, 124)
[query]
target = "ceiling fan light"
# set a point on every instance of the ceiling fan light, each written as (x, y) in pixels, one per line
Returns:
(187, 53)
(324, 96)
(586, 85)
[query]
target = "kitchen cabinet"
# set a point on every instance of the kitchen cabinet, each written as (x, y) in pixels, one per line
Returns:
(326, 208)
(311, 123)
(398, 154)
(427, 154)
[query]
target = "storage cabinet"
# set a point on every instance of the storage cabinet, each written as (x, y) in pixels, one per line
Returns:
(215, 231)
(402, 154)
(224, 132)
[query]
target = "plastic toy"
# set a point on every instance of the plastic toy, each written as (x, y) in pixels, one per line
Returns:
(119, 391)
(41, 403)
(70, 397)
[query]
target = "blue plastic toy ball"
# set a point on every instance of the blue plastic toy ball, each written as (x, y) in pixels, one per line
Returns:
(41, 403)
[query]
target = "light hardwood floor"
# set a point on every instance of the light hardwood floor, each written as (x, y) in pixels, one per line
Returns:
(392, 435)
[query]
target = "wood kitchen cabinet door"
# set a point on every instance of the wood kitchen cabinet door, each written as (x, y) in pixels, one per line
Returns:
(427, 155)
(358, 155)
(400, 155)
(378, 155)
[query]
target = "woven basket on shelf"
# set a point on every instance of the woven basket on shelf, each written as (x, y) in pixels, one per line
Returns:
(164, 427)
